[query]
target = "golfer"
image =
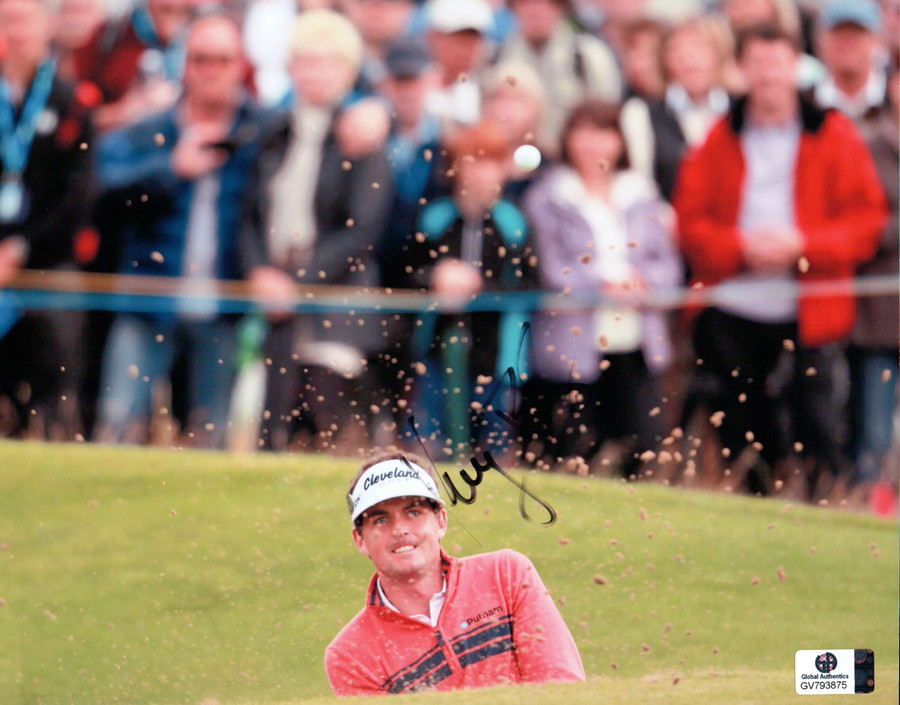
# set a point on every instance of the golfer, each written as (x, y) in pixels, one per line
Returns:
(435, 622)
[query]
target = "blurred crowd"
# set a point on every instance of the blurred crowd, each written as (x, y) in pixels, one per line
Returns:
(746, 148)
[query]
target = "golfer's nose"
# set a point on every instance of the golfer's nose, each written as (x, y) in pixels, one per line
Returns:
(400, 526)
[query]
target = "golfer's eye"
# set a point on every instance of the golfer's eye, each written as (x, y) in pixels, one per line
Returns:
(413, 513)
(379, 521)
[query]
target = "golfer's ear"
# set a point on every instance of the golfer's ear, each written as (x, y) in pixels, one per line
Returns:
(442, 522)
(358, 540)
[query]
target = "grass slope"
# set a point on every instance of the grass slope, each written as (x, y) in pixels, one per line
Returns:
(150, 576)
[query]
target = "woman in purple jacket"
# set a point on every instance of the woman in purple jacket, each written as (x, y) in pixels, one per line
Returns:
(599, 228)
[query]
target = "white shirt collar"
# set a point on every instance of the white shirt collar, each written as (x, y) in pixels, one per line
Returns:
(678, 100)
(628, 187)
(854, 106)
(434, 605)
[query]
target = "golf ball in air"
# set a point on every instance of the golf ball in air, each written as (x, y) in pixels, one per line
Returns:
(527, 157)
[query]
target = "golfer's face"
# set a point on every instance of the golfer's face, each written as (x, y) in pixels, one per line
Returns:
(402, 537)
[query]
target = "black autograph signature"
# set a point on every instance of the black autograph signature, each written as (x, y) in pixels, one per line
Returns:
(487, 462)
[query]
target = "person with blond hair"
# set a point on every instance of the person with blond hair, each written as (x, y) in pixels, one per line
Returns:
(696, 56)
(314, 213)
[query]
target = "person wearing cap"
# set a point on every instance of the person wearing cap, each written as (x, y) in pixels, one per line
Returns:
(849, 46)
(414, 153)
(457, 37)
(380, 24)
(433, 622)
(411, 75)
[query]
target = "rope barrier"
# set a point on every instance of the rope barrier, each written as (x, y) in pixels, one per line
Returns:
(67, 290)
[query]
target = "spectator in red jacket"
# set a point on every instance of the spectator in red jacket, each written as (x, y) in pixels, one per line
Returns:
(780, 193)
(432, 622)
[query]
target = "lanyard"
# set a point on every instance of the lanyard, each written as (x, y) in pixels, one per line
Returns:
(172, 54)
(16, 138)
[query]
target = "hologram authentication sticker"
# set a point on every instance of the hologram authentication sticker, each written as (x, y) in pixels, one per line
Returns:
(834, 671)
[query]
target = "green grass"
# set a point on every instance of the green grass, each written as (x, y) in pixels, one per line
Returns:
(152, 576)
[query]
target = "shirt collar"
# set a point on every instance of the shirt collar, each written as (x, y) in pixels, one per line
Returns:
(792, 124)
(435, 604)
(627, 188)
(678, 100)
(871, 95)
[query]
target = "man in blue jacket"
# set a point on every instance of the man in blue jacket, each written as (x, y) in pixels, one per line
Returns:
(173, 183)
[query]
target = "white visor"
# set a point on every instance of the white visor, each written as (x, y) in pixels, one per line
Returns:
(387, 480)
